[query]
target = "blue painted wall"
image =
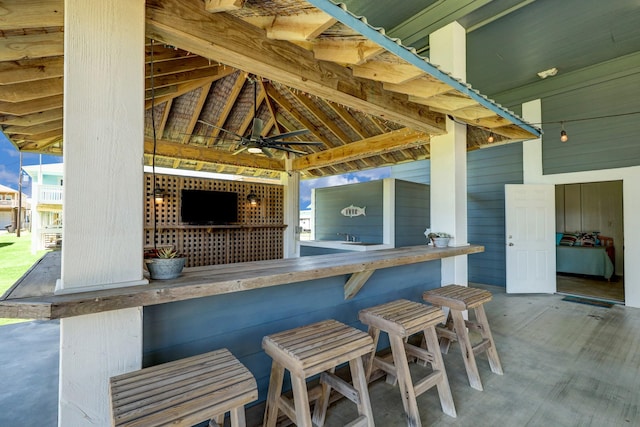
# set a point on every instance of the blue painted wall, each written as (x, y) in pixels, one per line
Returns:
(238, 321)
(331, 200)
(412, 215)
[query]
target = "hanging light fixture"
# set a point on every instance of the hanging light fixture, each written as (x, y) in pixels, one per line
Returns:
(158, 194)
(490, 139)
(252, 198)
(563, 134)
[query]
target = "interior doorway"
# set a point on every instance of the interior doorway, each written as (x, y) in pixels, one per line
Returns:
(590, 240)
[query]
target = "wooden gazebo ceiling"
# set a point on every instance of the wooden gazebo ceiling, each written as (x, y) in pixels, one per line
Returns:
(367, 106)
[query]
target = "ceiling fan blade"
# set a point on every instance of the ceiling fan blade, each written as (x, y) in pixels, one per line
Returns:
(296, 142)
(222, 129)
(287, 134)
(240, 150)
(256, 130)
(267, 152)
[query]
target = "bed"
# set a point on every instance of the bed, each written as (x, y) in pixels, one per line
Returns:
(589, 260)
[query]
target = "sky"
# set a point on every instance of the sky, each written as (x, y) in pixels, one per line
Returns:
(10, 164)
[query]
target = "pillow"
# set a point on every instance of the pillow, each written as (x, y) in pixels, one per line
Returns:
(568, 239)
(588, 239)
(558, 238)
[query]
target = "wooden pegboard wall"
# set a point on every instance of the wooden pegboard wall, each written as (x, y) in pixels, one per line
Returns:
(256, 237)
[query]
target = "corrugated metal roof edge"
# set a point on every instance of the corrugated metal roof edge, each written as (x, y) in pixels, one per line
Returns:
(409, 54)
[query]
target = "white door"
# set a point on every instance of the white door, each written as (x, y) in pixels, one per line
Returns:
(530, 238)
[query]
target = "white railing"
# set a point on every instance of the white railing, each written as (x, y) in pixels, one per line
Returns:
(11, 203)
(50, 194)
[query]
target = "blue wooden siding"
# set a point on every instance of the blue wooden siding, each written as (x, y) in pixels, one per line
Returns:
(593, 144)
(238, 321)
(412, 215)
(331, 200)
(488, 171)
(418, 171)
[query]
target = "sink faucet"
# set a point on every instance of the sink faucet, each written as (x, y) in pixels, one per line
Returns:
(348, 237)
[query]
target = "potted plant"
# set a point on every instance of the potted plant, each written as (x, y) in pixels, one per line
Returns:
(440, 239)
(164, 263)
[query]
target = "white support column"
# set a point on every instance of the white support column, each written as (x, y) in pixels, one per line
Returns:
(291, 235)
(449, 158)
(532, 149)
(103, 134)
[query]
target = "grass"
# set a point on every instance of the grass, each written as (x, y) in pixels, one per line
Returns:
(15, 259)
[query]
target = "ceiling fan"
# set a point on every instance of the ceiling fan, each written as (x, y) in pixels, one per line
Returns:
(258, 144)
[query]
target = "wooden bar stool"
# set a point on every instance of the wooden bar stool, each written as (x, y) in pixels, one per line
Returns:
(184, 392)
(311, 350)
(458, 299)
(401, 319)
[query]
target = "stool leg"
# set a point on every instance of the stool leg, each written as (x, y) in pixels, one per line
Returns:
(273, 395)
(407, 391)
(445, 342)
(444, 390)
(374, 333)
(322, 403)
(466, 349)
(360, 384)
(238, 417)
(301, 401)
(485, 331)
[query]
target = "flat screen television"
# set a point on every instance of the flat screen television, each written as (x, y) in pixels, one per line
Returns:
(204, 207)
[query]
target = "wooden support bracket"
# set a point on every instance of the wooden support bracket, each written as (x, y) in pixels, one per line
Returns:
(356, 282)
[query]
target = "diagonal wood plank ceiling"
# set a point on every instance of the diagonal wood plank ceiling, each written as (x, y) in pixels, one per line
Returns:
(368, 106)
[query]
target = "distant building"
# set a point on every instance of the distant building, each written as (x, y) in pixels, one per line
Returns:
(9, 209)
(46, 199)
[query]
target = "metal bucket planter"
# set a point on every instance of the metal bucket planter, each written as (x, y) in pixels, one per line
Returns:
(440, 242)
(165, 268)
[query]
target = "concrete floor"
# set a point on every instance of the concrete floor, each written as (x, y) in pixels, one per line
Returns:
(566, 364)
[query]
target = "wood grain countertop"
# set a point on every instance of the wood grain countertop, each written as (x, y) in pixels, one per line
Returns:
(198, 282)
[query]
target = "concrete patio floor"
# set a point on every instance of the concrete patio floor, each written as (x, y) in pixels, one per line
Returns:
(566, 364)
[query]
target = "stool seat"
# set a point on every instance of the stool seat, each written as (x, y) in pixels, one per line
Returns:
(317, 349)
(184, 392)
(401, 319)
(459, 298)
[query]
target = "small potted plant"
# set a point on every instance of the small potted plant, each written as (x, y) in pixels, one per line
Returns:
(164, 263)
(439, 239)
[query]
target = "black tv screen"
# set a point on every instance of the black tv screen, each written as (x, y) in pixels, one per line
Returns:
(202, 207)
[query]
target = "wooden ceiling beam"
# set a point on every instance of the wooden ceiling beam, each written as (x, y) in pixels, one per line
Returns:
(181, 65)
(176, 150)
(326, 121)
(231, 41)
(300, 27)
(215, 6)
(19, 14)
(348, 119)
(216, 72)
(165, 117)
(31, 107)
(32, 119)
(446, 101)
(179, 90)
(285, 104)
(17, 48)
(27, 70)
(424, 87)
(28, 91)
(195, 115)
(387, 72)
(34, 129)
(345, 51)
(270, 106)
(248, 119)
(228, 106)
(377, 145)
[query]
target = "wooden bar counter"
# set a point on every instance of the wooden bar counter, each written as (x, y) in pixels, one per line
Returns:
(199, 282)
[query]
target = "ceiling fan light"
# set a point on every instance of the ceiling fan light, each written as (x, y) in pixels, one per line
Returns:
(254, 150)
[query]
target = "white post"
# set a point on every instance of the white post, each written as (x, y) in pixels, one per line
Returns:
(103, 134)
(532, 149)
(449, 158)
(291, 235)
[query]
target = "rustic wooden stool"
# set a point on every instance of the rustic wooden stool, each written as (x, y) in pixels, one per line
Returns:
(310, 350)
(401, 319)
(184, 392)
(459, 298)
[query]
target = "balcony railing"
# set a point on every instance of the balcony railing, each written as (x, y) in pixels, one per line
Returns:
(50, 194)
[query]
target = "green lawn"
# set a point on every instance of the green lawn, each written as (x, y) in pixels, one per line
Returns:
(15, 259)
